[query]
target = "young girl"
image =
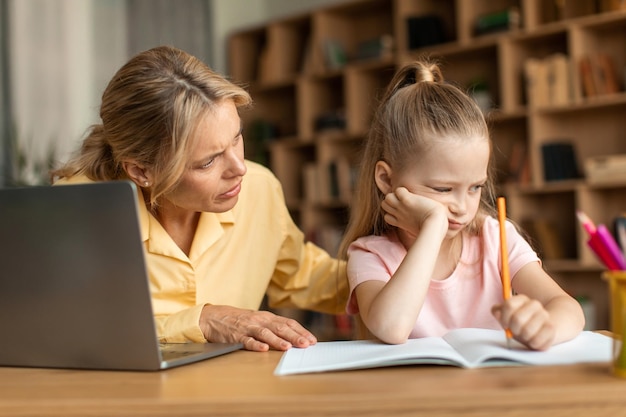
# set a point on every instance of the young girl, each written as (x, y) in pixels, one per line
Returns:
(423, 241)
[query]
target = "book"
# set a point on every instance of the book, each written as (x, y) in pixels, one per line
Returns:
(536, 79)
(586, 75)
(379, 47)
(335, 54)
(606, 73)
(559, 161)
(519, 169)
(465, 348)
(605, 168)
(497, 21)
(559, 79)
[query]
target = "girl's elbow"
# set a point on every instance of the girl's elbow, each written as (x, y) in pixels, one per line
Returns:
(394, 339)
(392, 336)
(388, 329)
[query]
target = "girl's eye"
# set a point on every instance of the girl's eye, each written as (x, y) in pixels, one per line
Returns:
(477, 187)
(442, 189)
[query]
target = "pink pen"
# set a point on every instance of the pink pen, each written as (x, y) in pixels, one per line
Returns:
(609, 242)
(602, 243)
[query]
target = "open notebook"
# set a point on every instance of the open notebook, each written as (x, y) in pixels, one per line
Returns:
(73, 283)
(466, 348)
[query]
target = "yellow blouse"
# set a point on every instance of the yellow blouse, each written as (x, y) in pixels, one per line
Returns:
(236, 258)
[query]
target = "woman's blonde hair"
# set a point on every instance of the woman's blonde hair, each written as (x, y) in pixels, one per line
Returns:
(417, 108)
(150, 110)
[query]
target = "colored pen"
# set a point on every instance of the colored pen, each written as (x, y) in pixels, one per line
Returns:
(602, 243)
(504, 255)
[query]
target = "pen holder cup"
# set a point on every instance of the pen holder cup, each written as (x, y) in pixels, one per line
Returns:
(617, 293)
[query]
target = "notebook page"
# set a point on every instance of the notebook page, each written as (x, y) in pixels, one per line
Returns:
(328, 356)
(483, 347)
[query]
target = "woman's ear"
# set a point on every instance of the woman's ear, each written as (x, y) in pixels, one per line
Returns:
(138, 174)
(382, 176)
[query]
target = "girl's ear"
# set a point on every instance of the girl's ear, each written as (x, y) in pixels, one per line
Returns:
(138, 174)
(382, 176)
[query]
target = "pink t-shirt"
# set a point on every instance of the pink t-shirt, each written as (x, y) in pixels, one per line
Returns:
(464, 299)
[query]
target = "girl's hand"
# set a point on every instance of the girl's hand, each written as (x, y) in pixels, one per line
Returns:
(528, 320)
(410, 212)
(257, 330)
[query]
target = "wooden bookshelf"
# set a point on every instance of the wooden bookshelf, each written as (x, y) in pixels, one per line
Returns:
(316, 79)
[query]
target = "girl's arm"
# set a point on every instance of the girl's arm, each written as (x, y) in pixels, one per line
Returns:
(389, 310)
(542, 314)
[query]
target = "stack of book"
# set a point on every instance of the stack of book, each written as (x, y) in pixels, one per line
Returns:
(548, 80)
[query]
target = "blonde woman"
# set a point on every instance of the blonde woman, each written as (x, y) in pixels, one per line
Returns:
(218, 237)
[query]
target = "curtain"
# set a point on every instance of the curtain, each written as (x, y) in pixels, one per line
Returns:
(5, 104)
(185, 24)
(51, 68)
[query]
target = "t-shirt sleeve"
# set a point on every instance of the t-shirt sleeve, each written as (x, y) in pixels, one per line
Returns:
(371, 258)
(520, 252)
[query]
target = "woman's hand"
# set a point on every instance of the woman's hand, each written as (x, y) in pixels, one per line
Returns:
(528, 320)
(256, 330)
(410, 212)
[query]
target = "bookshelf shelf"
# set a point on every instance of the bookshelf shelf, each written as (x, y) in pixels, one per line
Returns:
(317, 77)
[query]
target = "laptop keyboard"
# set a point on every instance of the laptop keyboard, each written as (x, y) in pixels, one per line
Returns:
(190, 351)
(174, 351)
(169, 355)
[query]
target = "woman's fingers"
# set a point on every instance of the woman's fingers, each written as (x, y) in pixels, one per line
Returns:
(256, 330)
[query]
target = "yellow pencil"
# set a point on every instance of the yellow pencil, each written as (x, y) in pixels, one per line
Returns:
(506, 279)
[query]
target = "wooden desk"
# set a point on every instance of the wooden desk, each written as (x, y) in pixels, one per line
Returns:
(243, 384)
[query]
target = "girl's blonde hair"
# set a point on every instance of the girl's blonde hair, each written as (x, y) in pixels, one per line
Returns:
(417, 108)
(150, 110)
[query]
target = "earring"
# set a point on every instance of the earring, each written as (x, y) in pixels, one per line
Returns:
(146, 183)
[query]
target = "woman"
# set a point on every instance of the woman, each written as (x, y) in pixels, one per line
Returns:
(217, 234)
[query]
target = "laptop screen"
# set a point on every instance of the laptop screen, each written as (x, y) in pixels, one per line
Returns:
(73, 283)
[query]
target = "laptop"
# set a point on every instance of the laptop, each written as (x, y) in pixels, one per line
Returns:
(74, 289)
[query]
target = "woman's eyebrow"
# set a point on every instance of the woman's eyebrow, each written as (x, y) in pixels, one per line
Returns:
(216, 154)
